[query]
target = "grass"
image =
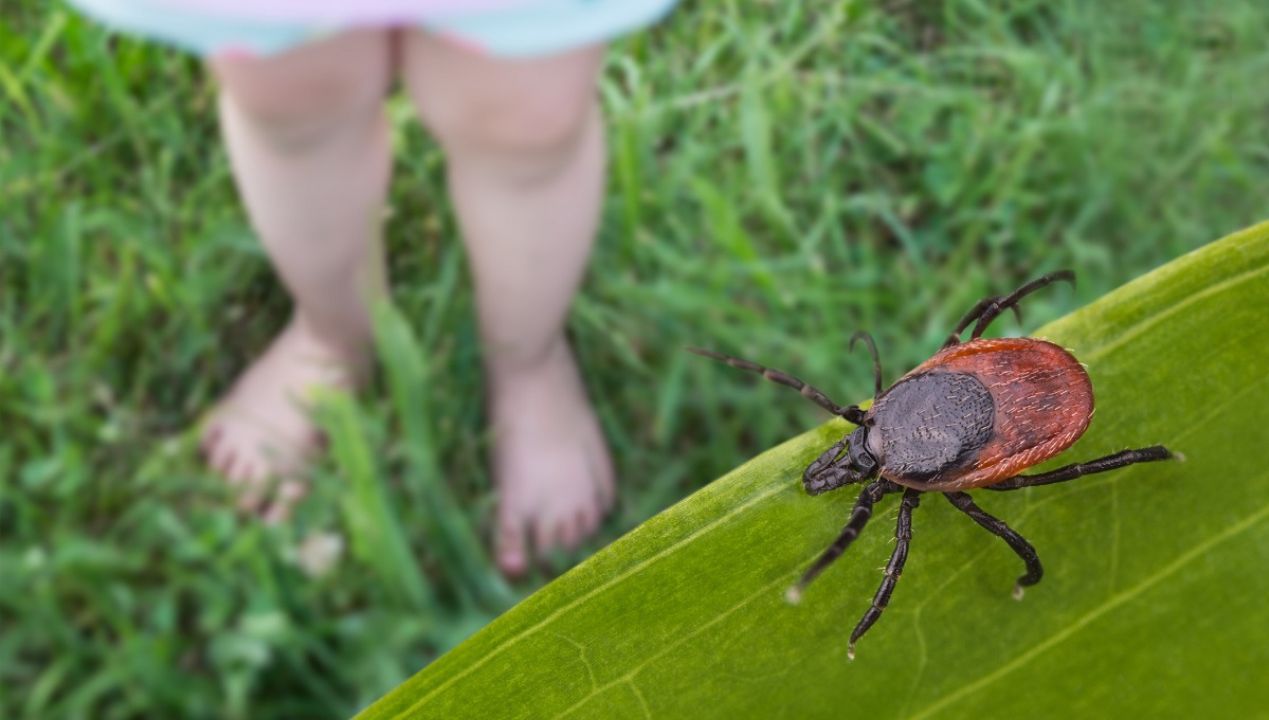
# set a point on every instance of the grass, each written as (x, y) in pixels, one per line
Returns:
(782, 174)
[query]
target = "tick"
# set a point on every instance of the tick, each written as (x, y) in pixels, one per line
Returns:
(974, 415)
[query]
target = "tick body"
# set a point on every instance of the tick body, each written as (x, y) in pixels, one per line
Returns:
(979, 412)
(974, 415)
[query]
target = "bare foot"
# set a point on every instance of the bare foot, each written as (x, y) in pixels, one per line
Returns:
(260, 436)
(551, 463)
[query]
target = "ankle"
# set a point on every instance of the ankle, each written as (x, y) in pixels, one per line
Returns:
(350, 352)
(507, 365)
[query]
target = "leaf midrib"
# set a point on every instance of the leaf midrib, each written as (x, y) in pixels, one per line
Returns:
(1139, 327)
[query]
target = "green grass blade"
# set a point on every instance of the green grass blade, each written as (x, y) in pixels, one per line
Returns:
(378, 539)
(1147, 605)
(452, 537)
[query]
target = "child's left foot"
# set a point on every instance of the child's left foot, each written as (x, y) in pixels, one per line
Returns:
(551, 464)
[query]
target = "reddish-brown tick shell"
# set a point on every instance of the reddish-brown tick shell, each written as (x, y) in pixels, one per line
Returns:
(1043, 402)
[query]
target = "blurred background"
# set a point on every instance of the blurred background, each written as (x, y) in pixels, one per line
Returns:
(781, 174)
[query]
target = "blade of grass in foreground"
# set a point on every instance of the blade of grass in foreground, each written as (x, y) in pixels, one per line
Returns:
(375, 529)
(456, 542)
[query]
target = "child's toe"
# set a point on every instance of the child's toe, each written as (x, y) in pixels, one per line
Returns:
(223, 460)
(544, 531)
(510, 546)
(251, 497)
(567, 534)
(289, 492)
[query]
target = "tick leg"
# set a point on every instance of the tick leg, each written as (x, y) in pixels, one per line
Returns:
(817, 396)
(1070, 472)
(989, 308)
(894, 568)
(994, 309)
(996, 526)
(974, 313)
(858, 518)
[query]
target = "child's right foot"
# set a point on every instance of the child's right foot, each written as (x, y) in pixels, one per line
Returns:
(260, 436)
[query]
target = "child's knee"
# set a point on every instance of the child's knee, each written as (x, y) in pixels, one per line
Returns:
(536, 109)
(527, 128)
(520, 127)
(300, 97)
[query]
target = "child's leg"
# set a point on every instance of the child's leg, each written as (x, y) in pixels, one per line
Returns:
(524, 143)
(308, 143)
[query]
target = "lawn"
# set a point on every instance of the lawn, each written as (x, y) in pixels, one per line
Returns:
(782, 174)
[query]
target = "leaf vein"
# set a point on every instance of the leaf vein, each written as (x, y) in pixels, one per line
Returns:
(581, 653)
(643, 702)
(634, 671)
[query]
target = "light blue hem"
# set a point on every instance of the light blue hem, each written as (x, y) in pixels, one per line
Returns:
(543, 28)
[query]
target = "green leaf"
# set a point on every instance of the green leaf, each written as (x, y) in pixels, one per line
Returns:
(1153, 604)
